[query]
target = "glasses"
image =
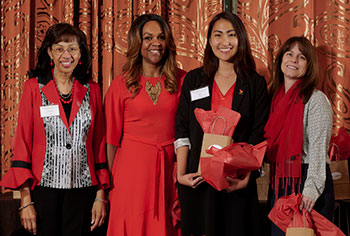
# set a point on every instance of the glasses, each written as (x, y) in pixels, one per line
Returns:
(59, 50)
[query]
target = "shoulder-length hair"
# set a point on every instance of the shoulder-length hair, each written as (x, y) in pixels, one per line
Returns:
(63, 32)
(133, 66)
(309, 80)
(243, 59)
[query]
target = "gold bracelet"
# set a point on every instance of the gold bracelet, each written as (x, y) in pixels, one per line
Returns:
(26, 205)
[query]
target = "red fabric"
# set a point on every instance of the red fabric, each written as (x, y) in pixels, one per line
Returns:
(284, 133)
(30, 141)
(339, 148)
(176, 209)
(287, 208)
(222, 122)
(144, 192)
(234, 160)
(218, 100)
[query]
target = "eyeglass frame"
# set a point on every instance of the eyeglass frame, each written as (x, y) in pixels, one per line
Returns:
(54, 50)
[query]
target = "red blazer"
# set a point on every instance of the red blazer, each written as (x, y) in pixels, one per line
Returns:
(30, 141)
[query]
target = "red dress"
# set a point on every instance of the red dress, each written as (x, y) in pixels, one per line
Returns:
(143, 188)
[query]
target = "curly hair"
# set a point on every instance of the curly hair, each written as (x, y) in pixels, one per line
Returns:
(63, 32)
(243, 59)
(133, 66)
(309, 80)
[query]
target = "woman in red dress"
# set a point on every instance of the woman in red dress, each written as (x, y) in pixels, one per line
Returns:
(140, 108)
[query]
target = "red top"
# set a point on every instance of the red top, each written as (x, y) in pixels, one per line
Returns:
(219, 100)
(30, 139)
(138, 116)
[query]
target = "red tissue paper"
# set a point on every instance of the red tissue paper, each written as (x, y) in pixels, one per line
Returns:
(234, 160)
(286, 214)
(222, 122)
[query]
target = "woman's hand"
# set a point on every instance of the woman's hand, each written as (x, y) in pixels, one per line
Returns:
(98, 212)
(190, 180)
(306, 203)
(27, 212)
(28, 219)
(237, 183)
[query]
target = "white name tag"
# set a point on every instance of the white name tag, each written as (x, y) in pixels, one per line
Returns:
(199, 93)
(51, 110)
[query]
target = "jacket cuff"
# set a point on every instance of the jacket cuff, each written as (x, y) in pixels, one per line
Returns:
(180, 142)
(103, 178)
(311, 194)
(16, 177)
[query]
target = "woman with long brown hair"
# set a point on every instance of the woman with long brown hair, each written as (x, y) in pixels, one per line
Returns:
(229, 78)
(298, 131)
(140, 108)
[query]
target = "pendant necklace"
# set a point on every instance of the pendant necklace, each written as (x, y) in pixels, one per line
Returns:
(153, 91)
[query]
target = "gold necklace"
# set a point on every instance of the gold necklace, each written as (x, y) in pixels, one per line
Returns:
(153, 91)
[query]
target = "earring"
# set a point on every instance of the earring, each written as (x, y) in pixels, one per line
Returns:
(79, 62)
(51, 63)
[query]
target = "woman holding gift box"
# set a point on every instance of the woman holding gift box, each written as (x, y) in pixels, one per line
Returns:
(140, 108)
(227, 78)
(299, 130)
(59, 161)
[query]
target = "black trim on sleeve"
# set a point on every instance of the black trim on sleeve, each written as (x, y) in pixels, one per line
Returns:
(22, 164)
(99, 166)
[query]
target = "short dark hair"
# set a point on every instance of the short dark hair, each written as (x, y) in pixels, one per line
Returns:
(243, 59)
(63, 32)
(309, 79)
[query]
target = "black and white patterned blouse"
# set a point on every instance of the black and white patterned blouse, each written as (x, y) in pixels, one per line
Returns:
(66, 162)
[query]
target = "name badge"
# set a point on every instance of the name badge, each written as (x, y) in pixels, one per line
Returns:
(199, 93)
(47, 111)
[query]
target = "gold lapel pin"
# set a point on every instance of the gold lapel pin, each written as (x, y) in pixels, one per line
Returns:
(240, 92)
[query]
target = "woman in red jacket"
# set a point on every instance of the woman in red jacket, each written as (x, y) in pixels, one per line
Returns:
(59, 162)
